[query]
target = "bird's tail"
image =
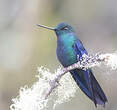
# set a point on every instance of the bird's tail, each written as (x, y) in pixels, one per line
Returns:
(91, 89)
(98, 94)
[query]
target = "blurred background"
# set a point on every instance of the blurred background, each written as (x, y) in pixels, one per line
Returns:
(24, 46)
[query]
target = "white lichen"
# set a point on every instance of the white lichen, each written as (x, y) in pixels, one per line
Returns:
(66, 90)
(34, 98)
(111, 60)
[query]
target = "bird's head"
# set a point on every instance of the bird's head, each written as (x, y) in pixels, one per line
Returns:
(63, 28)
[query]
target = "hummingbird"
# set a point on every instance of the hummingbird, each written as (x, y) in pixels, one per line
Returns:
(69, 51)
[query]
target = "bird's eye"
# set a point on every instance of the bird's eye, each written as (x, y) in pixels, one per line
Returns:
(64, 28)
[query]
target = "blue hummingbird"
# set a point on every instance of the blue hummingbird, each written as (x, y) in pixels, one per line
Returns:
(69, 51)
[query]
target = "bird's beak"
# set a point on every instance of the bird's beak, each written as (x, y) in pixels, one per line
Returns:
(50, 28)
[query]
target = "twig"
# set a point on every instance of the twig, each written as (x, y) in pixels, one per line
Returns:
(87, 61)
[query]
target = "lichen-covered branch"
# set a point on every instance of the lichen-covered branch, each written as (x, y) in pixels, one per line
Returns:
(38, 96)
(87, 61)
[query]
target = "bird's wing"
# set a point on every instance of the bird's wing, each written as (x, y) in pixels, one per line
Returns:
(86, 80)
(84, 75)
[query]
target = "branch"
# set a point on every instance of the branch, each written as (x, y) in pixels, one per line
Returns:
(87, 61)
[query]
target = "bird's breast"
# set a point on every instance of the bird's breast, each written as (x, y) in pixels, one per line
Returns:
(66, 54)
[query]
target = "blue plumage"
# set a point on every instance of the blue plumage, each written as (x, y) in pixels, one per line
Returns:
(69, 50)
